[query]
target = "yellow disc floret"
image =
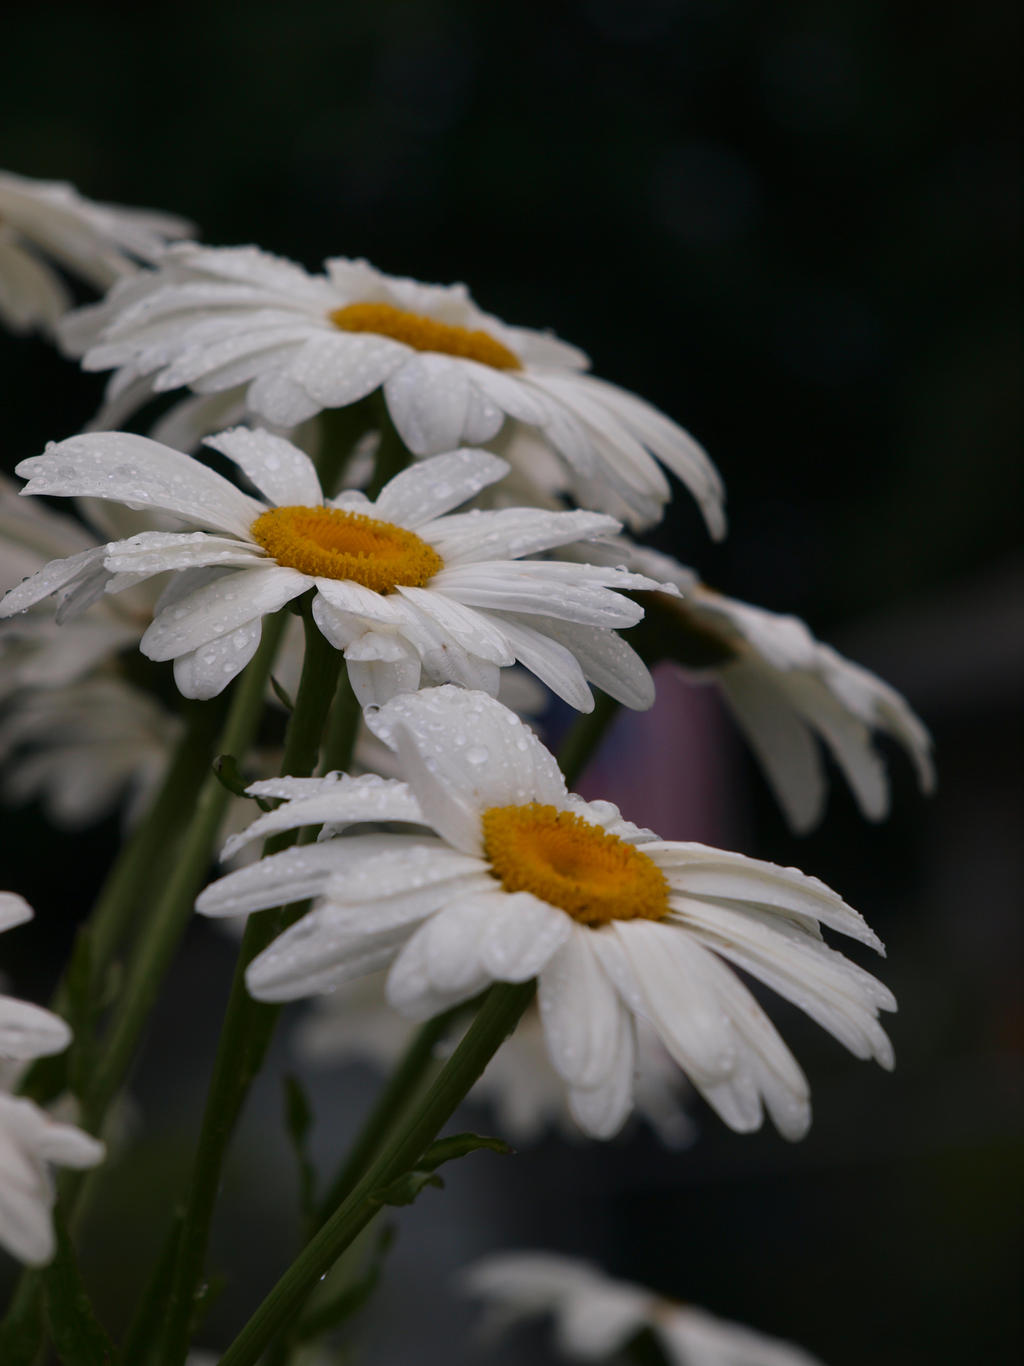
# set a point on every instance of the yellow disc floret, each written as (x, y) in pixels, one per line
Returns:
(573, 864)
(333, 544)
(425, 334)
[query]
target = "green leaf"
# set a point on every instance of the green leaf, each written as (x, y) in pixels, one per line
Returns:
(229, 775)
(404, 1190)
(281, 693)
(458, 1145)
(298, 1118)
(78, 1337)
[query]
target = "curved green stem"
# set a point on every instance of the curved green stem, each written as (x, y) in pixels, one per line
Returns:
(392, 454)
(173, 910)
(248, 1024)
(159, 938)
(401, 1087)
(585, 734)
(127, 880)
(495, 1020)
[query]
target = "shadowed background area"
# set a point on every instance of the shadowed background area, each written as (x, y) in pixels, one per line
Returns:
(792, 229)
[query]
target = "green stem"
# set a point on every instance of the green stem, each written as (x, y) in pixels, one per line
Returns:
(173, 909)
(120, 896)
(342, 728)
(248, 1024)
(495, 1020)
(392, 454)
(400, 1089)
(586, 733)
(340, 430)
(161, 934)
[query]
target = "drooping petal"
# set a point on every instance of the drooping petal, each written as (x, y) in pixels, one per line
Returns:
(429, 489)
(221, 607)
(142, 473)
(462, 753)
(283, 474)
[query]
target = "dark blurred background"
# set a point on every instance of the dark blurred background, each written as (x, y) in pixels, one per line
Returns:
(793, 228)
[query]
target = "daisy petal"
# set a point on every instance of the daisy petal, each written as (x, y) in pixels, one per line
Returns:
(28, 1031)
(582, 1016)
(425, 491)
(522, 936)
(206, 672)
(219, 608)
(142, 473)
(428, 399)
(282, 473)
(464, 753)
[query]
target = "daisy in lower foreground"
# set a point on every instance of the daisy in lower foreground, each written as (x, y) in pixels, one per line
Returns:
(517, 878)
(596, 1316)
(215, 318)
(405, 590)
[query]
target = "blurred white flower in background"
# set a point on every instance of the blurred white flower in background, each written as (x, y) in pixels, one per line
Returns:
(30, 1139)
(44, 223)
(596, 1316)
(355, 1023)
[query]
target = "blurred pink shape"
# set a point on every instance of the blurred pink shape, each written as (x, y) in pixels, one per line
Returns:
(670, 768)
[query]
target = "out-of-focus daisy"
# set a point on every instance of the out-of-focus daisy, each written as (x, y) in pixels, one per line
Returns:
(29, 1138)
(81, 748)
(405, 590)
(26, 1031)
(215, 318)
(596, 1316)
(522, 880)
(29, 1141)
(356, 1023)
(36, 652)
(47, 222)
(789, 693)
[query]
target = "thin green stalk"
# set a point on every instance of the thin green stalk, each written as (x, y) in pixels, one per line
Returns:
(127, 880)
(585, 734)
(173, 910)
(497, 1017)
(342, 728)
(145, 1322)
(340, 430)
(400, 1089)
(160, 935)
(392, 454)
(248, 1024)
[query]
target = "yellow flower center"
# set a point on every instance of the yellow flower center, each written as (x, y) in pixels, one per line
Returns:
(329, 543)
(425, 334)
(572, 864)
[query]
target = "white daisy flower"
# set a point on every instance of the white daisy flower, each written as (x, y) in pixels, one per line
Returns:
(521, 879)
(29, 1138)
(789, 693)
(47, 221)
(596, 1315)
(405, 590)
(356, 1023)
(29, 1141)
(215, 318)
(26, 1031)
